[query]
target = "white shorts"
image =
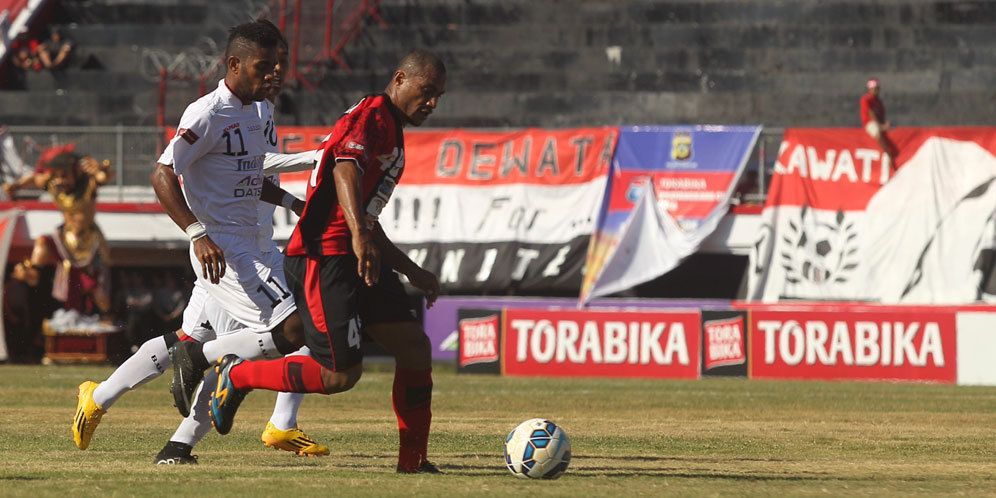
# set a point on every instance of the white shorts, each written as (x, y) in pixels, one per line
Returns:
(873, 129)
(253, 291)
(204, 319)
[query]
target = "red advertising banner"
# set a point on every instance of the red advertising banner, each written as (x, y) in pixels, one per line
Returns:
(478, 340)
(684, 195)
(569, 343)
(911, 344)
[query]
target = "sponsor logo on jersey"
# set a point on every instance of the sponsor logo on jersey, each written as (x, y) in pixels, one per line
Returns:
(354, 145)
(248, 186)
(188, 135)
(230, 127)
(251, 164)
(394, 164)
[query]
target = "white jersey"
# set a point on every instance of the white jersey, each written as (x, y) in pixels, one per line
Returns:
(218, 153)
(274, 164)
(265, 210)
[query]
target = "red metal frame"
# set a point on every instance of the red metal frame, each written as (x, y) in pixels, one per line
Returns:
(353, 27)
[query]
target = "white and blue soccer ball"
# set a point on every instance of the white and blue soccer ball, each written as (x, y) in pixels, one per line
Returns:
(537, 449)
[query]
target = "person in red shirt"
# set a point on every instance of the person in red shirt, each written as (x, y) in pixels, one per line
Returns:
(334, 269)
(874, 122)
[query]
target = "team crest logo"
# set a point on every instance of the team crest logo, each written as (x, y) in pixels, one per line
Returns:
(635, 188)
(819, 252)
(681, 146)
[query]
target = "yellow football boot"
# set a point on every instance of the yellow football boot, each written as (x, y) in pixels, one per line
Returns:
(293, 440)
(87, 415)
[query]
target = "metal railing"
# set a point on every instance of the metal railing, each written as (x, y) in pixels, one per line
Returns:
(132, 150)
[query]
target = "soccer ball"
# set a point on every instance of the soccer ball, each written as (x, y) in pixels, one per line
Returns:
(537, 449)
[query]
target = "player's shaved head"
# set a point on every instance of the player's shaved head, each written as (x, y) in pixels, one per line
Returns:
(420, 62)
(244, 39)
(417, 84)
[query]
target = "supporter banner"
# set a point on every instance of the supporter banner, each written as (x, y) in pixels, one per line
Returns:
(841, 223)
(494, 211)
(690, 174)
(724, 343)
(487, 211)
(881, 343)
(661, 344)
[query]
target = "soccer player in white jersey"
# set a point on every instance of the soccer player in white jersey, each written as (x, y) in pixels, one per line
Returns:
(281, 430)
(152, 358)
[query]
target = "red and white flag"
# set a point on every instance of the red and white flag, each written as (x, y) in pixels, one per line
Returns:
(841, 224)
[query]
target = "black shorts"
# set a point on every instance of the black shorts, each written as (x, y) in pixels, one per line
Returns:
(335, 304)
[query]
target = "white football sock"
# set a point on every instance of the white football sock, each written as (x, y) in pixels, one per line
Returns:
(285, 409)
(193, 428)
(244, 344)
(149, 362)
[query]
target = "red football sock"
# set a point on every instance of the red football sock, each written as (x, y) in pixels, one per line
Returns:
(294, 374)
(412, 399)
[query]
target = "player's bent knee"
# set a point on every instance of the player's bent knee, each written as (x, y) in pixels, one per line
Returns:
(337, 382)
(292, 332)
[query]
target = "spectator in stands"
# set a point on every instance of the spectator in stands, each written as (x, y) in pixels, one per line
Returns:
(54, 55)
(22, 58)
(25, 50)
(873, 119)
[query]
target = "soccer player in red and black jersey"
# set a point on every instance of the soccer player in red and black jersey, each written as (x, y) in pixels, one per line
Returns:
(334, 268)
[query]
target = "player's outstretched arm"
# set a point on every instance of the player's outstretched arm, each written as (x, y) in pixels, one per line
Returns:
(423, 280)
(275, 162)
(272, 194)
(347, 176)
(167, 188)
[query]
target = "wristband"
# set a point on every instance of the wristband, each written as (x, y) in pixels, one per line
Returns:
(288, 200)
(196, 230)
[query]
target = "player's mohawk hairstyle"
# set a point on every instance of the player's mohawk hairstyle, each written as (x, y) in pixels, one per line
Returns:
(269, 24)
(242, 37)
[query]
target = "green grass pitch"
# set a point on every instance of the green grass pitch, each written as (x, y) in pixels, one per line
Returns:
(629, 437)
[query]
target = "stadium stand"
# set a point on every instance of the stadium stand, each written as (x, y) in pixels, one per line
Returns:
(523, 63)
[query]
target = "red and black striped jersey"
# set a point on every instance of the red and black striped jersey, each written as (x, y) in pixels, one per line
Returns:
(369, 134)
